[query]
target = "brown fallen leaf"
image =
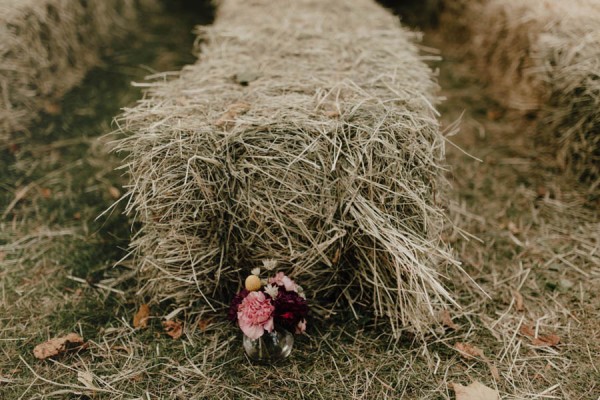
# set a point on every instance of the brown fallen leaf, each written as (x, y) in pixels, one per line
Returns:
(140, 319)
(203, 324)
(475, 391)
(446, 320)
(518, 301)
(52, 108)
(232, 111)
(58, 346)
(114, 192)
(513, 228)
(549, 340)
(46, 193)
(469, 351)
(173, 328)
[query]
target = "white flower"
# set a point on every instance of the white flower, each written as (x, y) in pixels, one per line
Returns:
(272, 290)
(300, 291)
(270, 265)
(255, 271)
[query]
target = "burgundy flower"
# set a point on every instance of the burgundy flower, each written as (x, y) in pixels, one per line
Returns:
(290, 309)
(235, 303)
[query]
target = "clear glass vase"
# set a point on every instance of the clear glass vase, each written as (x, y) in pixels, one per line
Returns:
(270, 347)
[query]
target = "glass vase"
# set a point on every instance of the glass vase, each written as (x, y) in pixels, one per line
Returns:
(270, 347)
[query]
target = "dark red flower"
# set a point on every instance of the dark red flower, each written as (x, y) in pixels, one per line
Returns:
(235, 303)
(290, 309)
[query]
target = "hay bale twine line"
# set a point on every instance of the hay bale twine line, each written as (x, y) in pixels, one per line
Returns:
(305, 134)
(47, 46)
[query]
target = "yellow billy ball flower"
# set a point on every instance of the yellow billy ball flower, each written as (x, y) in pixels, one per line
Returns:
(252, 283)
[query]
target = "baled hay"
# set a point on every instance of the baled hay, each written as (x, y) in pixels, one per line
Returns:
(323, 153)
(47, 46)
(545, 56)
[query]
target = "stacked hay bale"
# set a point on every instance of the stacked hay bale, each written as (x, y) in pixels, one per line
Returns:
(543, 57)
(47, 46)
(304, 134)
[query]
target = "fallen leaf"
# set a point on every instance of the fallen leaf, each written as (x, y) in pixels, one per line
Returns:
(475, 391)
(173, 328)
(518, 301)
(527, 330)
(114, 192)
(46, 193)
(203, 324)
(513, 228)
(446, 320)
(469, 351)
(58, 346)
(52, 108)
(493, 115)
(232, 111)
(549, 340)
(140, 319)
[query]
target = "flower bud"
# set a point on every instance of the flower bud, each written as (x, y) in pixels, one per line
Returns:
(252, 283)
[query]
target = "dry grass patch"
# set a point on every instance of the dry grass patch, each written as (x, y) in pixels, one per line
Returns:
(542, 58)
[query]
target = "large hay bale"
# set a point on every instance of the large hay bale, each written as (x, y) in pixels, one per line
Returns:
(543, 57)
(47, 46)
(305, 134)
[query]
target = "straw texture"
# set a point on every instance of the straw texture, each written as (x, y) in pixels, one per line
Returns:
(305, 134)
(543, 58)
(47, 46)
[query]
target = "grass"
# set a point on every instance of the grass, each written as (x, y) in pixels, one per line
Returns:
(538, 235)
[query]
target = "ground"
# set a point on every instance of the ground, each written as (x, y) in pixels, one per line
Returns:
(526, 232)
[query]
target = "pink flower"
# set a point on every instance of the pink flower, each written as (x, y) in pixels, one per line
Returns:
(282, 280)
(301, 327)
(255, 315)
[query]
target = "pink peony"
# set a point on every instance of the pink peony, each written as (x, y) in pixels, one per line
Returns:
(281, 279)
(255, 315)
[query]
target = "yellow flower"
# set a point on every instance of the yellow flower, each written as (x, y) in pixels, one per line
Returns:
(252, 283)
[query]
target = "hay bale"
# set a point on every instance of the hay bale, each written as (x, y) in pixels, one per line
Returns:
(47, 46)
(304, 134)
(543, 57)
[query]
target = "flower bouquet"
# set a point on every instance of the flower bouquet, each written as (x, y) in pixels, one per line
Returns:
(268, 311)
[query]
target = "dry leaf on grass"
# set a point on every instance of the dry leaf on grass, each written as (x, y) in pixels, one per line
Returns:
(140, 319)
(203, 324)
(446, 320)
(232, 112)
(518, 301)
(173, 328)
(549, 340)
(475, 391)
(114, 192)
(58, 346)
(469, 351)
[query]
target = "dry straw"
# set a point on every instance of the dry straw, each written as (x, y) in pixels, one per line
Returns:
(543, 56)
(47, 46)
(304, 134)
